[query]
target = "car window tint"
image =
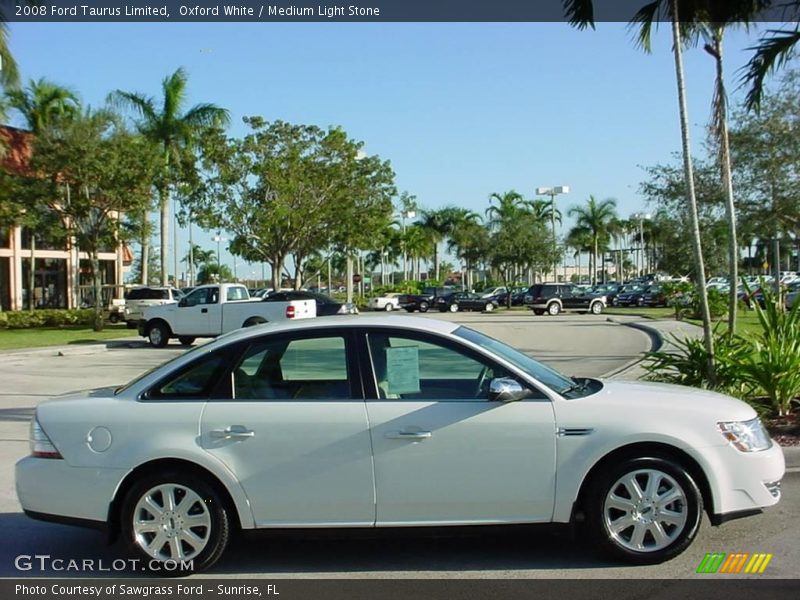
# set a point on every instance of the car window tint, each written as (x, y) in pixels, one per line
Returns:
(309, 369)
(411, 369)
(195, 381)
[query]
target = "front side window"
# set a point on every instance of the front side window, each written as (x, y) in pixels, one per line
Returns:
(406, 368)
(286, 369)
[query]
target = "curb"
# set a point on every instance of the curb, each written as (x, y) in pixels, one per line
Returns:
(656, 342)
(76, 349)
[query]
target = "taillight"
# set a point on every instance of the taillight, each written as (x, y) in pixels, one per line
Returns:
(290, 312)
(41, 446)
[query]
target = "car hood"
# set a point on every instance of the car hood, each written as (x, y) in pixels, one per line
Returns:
(662, 398)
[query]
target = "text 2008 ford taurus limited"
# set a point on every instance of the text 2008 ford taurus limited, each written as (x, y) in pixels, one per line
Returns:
(375, 422)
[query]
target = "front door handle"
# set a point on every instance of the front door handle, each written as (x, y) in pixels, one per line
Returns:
(203, 310)
(409, 435)
(233, 431)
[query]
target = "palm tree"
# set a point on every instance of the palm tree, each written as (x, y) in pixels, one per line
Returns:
(580, 14)
(175, 132)
(417, 243)
(580, 239)
(509, 206)
(434, 223)
(596, 218)
(464, 231)
(9, 74)
(42, 105)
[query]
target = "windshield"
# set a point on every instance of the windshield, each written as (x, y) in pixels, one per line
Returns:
(553, 379)
(133, 382)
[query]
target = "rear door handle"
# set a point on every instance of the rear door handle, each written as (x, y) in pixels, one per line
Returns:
(409, 435)
(233, 431)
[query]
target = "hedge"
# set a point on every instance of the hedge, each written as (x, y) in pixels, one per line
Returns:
(48, 317)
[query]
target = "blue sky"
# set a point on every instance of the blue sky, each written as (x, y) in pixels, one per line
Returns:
(461, 110)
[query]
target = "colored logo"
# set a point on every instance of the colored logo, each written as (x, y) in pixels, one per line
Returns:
(734, 563)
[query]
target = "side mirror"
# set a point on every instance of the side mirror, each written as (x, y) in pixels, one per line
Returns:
(505, 389)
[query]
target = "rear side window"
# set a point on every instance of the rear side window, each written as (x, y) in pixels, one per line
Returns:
(137, 294)
(194, 381)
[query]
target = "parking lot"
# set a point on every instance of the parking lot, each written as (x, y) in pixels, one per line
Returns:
(575, 344)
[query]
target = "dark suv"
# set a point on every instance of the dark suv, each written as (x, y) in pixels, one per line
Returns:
(555, 297)
(424, 300)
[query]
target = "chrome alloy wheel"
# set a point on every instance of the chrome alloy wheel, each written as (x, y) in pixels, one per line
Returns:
(645, 510)
(171, 522)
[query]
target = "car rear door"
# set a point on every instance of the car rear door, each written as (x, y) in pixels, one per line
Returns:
(292, 427)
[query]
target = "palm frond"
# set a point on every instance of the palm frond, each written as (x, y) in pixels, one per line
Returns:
(204, 115)
(770, 53)
(579, 13)
(643, 20)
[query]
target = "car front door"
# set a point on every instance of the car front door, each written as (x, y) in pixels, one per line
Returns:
(444, 453)
(293, 429)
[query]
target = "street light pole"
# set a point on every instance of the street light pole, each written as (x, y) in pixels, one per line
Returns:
(218, 238)
(553, 192)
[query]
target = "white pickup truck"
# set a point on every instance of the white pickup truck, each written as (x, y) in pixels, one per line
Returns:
(211, 310)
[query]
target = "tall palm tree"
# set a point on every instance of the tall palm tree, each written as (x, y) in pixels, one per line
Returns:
(435, 225)
(509, 206)
(42, 104)
(9, 74)
(175, 131)
(464, 238)
(596, 218)
(580, 239)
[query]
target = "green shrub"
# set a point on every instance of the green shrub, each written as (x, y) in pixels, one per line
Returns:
(688, 364)
(49, 317)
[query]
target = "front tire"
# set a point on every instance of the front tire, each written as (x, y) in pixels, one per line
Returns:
(538, 312)
(388, 307)
(489, 307)
(172, 517)
(158, 334)
(453, 308)
(644, 510)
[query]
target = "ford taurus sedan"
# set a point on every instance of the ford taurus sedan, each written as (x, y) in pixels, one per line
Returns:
(379, 422)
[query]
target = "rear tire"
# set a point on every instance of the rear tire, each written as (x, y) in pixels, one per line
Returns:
(389, 307)
(489, 307)
(453, 308)
(596, 308)
(538, 311)
(113, 318)
(643, 510)
(196, 528)
(553, 308)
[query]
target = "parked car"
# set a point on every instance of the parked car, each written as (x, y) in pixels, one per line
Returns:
(424, 300)
(554, 298)
(325, 422)
(517, 297)
(140, 298)
(654, 296)
(387, 302)
(493, 291)
(326, 306)
(791, 295)
(211, 310)
(631, 296)
(457, 301)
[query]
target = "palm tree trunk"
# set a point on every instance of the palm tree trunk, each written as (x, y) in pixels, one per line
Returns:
(32, 273)
(727, 182)
(145, 248)
(691, 198)
(594, 255)
(163, 194)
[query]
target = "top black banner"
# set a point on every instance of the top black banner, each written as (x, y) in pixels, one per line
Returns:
(250, 11)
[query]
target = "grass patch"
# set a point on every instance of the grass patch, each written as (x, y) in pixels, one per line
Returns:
(14, 339)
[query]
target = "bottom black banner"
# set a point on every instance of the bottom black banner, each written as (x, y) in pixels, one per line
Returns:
(402, 589)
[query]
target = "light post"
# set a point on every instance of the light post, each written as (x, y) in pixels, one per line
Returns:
(218, 238)
(553, 192)
(406, 214)
(641, 218)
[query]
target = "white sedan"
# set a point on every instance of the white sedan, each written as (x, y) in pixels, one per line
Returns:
(376, 422)
(387, 302)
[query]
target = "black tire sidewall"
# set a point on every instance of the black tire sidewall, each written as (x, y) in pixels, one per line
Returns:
(220, 521)
(164, 335)
(599, 488)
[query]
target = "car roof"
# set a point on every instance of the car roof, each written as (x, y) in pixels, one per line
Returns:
(321, 323)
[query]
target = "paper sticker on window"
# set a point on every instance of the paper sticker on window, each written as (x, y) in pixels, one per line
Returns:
(402, 370)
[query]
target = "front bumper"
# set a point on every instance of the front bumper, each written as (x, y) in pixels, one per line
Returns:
(743, 482)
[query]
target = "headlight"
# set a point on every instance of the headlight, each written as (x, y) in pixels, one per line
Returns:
(747, 436)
